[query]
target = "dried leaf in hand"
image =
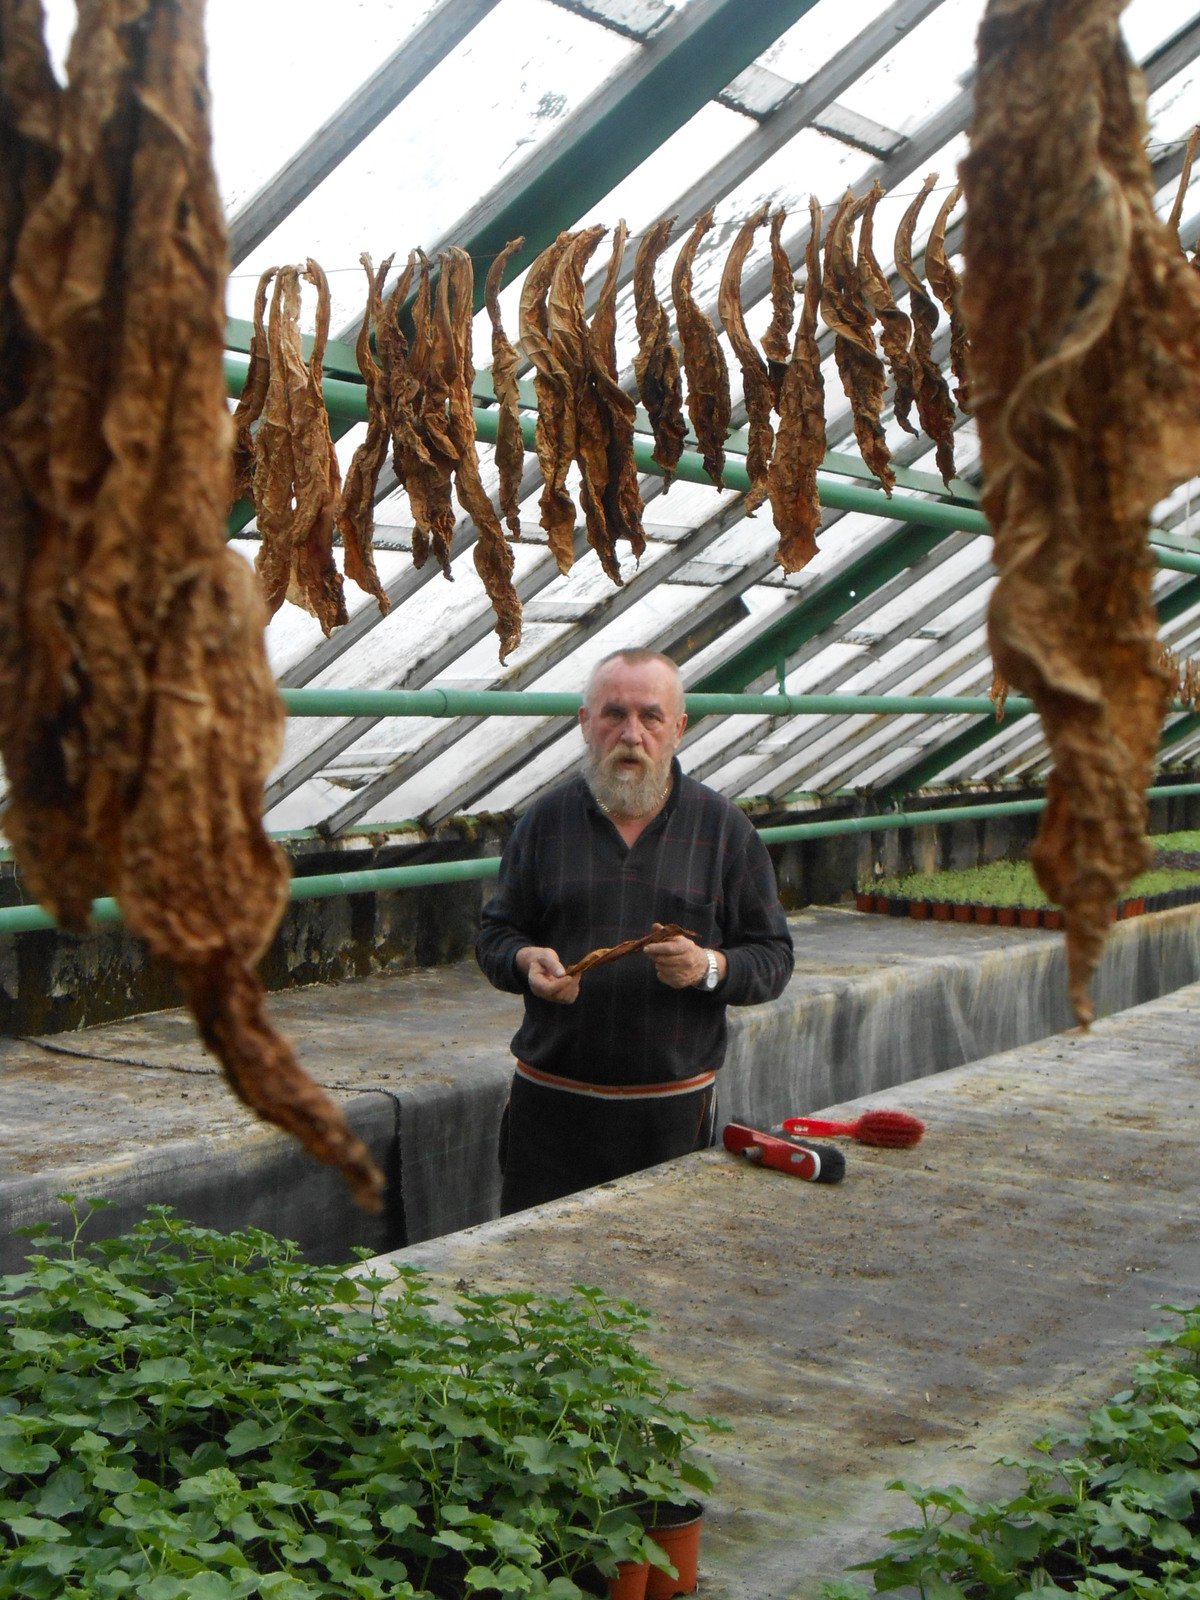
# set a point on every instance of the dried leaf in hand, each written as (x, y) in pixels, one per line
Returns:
(777, 341)
(756, 385)
(934, 405)
(708, 403)
(1185, 178)
(1084, 323)
(659, 933)
(253, 395)
(506, 362)
(895, 333)
(492, 554)
(554, 435)
(947, 286)
(849, 315)
(355, 519)
(800, 445)
(622, 493)
(656, 365)
(142, 633)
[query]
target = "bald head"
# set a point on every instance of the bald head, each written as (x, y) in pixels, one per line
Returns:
(650, 665)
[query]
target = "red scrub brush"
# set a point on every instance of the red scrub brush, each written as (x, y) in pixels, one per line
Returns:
(900, 1129)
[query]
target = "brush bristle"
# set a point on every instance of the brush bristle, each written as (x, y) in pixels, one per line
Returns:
(898, 1129)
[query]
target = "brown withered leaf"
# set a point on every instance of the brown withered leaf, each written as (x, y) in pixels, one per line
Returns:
(895, 328)
(849, 316)
(601, 957)
(1084, 322)
(656, 364)
(409, 455)
(800, 443)
(947, 286)
(622, 493)
(934, 405)
(506, 362)
(492, 554)
(1185, 177)
(554, 435)
(756, 383)
(433, 364)
(568, 331)
(708, 402)
(777, 341)
(142, 632)
(254, 393)
(355, 517)
(998, 694)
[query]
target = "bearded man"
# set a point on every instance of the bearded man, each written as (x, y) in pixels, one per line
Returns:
(616, 1070)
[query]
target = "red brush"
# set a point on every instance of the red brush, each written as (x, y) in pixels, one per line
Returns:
(896, 1128)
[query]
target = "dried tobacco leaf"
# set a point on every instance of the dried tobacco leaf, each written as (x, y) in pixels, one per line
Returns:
(998, 694)
(410, 458)
(708, 402)
(622, 493)
(849, 315)
(895, 333)
(554, 435)
(1185, 177)
(934, 405)
(800, 444)
(355, 518)
(656, 365)
(506, 362)
(433, 363)
(253, 395)
(601, 957)
(777, 341)
(947, 286)
(1084, 323)
(492, 554)
(157, 714)
(756, 384)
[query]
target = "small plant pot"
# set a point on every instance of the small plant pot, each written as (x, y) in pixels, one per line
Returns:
(918, 910)
(1134, 906)
(1053, 918)
(883, 904)
(1029, 916)
(630, 1581)
(941, 910)
(676, 1531)
(1006, 916)
(985, 915)
(864, 902)
(897, 907)
(964, 913)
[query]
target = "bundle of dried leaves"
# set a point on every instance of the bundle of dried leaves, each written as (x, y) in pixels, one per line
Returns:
(934, 405)
(554, 435)
(756, 382)
(430, 471)
(138, 715)
(506, 362)
(708, 403)
(847, 311)
(1084, 323)
(622, 499)
(296, 477)
(947, 286)
(800, 445)
(656, 365)
(355, 519)
(777, 341)
(895, 327)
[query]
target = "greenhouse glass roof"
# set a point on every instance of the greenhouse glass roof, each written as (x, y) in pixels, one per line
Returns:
(380, 125)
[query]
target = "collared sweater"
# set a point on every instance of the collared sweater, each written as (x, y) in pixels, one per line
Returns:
(569, 881)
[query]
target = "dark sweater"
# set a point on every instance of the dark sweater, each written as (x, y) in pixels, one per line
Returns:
(569, 881)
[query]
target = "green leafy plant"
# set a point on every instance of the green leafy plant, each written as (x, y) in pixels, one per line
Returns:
(1011, 883)
(1112, 1511)
(191, 1415)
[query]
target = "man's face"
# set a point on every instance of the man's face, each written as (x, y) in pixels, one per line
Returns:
(632, 725)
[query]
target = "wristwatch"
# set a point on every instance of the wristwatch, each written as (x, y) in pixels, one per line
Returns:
(712, 977)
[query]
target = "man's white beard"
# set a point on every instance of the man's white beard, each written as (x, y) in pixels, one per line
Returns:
(623, 793)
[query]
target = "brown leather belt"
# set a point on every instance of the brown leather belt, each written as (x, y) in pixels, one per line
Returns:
(615, 1091)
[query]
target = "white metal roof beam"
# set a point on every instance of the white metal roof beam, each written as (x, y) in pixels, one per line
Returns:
(632, 19)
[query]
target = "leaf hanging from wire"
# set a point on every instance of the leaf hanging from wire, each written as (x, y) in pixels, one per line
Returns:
(253, 395)
(1185, 178)
(708, 402)
(356, 507)
(934, 405)
(756, 384)
(947, 286)
(506, 362)
(800, 444)
(554, 435)
(622, 494)
(777, 341)
(895, 327)
(846, 310)
(656, 365)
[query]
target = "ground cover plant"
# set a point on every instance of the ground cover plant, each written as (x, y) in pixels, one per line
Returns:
(192, 1415)
(1114, 1510)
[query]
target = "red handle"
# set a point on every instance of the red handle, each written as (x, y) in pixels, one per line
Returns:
(766, 1149)
(816, 1125)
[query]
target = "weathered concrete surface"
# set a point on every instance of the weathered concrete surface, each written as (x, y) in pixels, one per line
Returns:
(942, 1307)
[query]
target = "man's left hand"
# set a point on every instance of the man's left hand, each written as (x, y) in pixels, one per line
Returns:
(681, 962)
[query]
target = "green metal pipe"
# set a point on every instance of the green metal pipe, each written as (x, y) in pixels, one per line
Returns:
(531, 703)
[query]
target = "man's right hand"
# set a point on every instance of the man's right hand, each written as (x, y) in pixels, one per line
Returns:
(543, 971)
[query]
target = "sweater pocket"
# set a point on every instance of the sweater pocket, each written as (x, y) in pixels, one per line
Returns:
(692, 912)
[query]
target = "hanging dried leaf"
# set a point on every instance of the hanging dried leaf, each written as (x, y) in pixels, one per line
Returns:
(800, 445)
(355, 519)
(252, 397)
(506, 362)
(934, 405)
(492, 555)
(777, 341)
(656, 365)
(998, 694)
(756, 384)
(622, 493)
(895, 328)
(947, 286)
(152, 717)
(1185, 177)
(432, 362)
(708, 402)
(1084, 324)
(846, 310)
(554, 435)
(409, 455)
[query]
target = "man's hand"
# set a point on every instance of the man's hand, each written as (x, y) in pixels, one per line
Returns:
(681, 962)
(543, 971)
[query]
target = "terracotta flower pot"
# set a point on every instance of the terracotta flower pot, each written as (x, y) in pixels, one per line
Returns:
(1052, 917)
(941, 910)
(1029, 916)
(863, 901)
(676, 1531)
(630, 1581)
(964, 913)
(985, 914)
(1134, 906)
(1006, 916)
(918, 910)
(883, 904)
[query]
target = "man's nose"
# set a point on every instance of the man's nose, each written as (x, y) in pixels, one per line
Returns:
(631, 731)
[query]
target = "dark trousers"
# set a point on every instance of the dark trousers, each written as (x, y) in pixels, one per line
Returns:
(553, 1142)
